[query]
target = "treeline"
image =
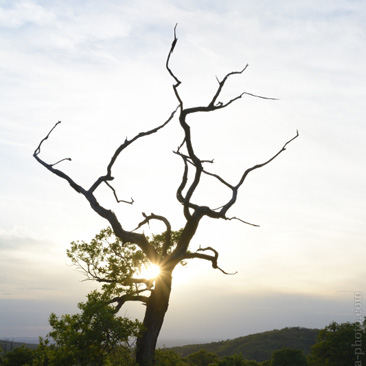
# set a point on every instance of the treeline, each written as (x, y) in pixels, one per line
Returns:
(206, 358)
(336, 345)
(258, 346)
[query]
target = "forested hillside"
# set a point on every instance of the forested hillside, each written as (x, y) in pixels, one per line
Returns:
(258, 346)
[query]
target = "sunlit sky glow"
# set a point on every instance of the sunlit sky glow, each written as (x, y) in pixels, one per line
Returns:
(99, 67)
(150, 271)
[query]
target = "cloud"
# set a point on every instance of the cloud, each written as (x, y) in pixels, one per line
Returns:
(100, 68)
(22, 13)
(31, 269)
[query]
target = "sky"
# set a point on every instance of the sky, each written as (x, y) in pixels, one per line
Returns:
(99, 67)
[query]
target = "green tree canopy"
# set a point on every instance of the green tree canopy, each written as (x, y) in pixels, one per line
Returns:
(94, 335)
(202, 358)
(288, 357)
(19, 356)
(339, 345)
(168, 358)
(235, 360)
(117, 265)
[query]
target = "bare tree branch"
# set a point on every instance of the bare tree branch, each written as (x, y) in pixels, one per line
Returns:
(181, 145)
(224, 208)
(115, 195)
(69, 159)
(168, 230)
(212, 259)
(123, 146)
(222, 83)
(213, 105)
(218, 178)
(128, 281)
(121, 300)
(244, 222)
(59, 173)
(236, 188)
(109, 215)
(177, 81)
(154, 217)
(38, 149)
(258, 96)
(183, 184)
(267, 162)
(189, 160)
(187, 142)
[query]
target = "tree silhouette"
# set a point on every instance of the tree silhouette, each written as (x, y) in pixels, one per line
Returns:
(171, 250)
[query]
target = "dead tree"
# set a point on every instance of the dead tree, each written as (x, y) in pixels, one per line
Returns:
(157, 299)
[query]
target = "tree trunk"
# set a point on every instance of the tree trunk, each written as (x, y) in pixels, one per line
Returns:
(156, 308)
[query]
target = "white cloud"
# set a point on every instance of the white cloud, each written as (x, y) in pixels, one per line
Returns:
(23, 13)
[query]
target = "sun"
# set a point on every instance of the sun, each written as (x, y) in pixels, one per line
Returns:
(150, 271)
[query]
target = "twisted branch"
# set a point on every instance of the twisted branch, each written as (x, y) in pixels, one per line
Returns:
(213, 259)
(244, 222)
(121, 300)
(168, 230)
(235, 189)
(37, 151)
(177, 81)
(123, 146)
(115, 195)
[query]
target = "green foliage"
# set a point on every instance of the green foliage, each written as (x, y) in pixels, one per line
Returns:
(265, 363)
(168, 358)
(96, 333)
(202, 358)
(339, 345)
(108, 260)
(46, 354)
(93, 337)
(235, 360)
(258, 346)
(158, 240)
(20, 356)
(288, 357)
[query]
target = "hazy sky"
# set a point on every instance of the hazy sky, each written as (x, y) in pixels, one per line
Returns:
(99, 67)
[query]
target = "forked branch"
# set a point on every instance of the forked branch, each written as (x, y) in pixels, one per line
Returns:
(235, 189)
(115, 195)
(222, 83)
(190, 158)
(121, 300)
(37, 151)
(212, 258)
(110, 216)
(122, 147)
(51, 168)
(266, 162)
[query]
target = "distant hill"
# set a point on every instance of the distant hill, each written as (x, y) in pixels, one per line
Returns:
(258, 346)
(9, 344)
